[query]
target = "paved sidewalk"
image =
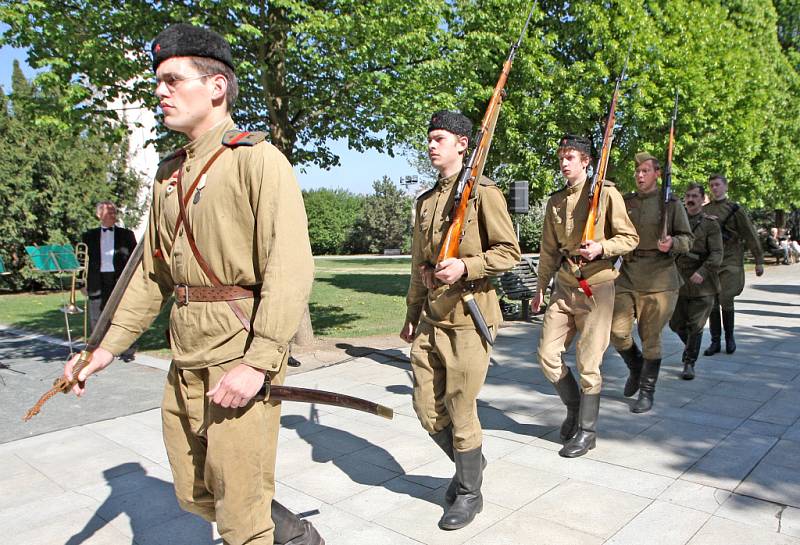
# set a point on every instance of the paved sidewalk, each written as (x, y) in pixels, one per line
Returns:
(716, 462)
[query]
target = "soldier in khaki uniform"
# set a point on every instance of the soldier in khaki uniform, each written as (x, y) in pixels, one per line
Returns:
(698, 269)
(737, 231)
(647, 288)
(239, 295)
(449, 357)
(571, 311)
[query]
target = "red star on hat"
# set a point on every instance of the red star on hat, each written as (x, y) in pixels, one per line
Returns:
(157, 48)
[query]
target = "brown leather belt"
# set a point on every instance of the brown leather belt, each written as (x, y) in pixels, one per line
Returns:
(206, 294)
(648, 253)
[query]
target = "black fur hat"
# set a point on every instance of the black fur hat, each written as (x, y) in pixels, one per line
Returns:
(182, 40)
(453, 122)
(580, 143)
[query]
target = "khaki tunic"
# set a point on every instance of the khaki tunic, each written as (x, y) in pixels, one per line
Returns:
(570, 311)
(695, 300)
(737, 232)
(647, 288)
(448, 357)
(250, 226)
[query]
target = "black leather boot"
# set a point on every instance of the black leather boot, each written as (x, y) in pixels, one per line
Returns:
(586, 437)
(291, 530)
(570, 395)
(727, 324)
(444, 439)
(715, 327)
(690, 355)
(469, 500)
(647, 386)
(633, 359)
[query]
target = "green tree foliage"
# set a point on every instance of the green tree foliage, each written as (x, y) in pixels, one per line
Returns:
(332, 214)
(372, 72)
(385, 220)
(309, 70)
(51, 179)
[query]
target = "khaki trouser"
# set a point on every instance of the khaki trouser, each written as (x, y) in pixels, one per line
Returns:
(731, 280)
(449, 368)
(571, 312)
(691, 314)
(651, 312)
(223, 460)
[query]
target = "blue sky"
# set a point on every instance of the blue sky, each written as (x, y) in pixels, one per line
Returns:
(356, 173)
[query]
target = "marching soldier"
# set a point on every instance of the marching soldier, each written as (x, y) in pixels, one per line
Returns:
(698, 269)
(736, 229)
(571, 310)
(647, 288)
(449, 357)
(227, 236)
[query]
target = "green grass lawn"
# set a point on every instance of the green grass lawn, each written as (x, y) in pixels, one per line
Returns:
(350, 298)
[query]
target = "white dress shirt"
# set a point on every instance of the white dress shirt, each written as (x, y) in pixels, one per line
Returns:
(106, 250)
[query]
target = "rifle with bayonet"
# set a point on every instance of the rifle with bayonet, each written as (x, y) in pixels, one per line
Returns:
(598, 177)
(471, 173)
(667, 189)
(287, 393)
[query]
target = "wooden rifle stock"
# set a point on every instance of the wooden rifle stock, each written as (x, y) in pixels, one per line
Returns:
(596, 187)
(473, 169)
(668, 172)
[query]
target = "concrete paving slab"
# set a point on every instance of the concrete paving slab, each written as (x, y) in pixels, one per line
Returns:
(727, 464)
(751, 511)
(790, 522)
(695, 496)
(534, 531)
(661, 523)
(720, 531)
(589, 508)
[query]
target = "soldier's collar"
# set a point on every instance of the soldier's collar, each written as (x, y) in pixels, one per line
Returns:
(572, 189)
(648, 195)
(209, 141)
(446, 183)
(723, 199)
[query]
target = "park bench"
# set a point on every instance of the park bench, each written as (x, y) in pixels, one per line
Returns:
(520, 284)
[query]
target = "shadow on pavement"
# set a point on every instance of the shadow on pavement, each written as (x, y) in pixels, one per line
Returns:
(130, 485)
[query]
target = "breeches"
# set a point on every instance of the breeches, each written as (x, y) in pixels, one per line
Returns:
(223, 460)
(571, 312)
(651, 311)
(691, 314)
(449, 368)
(731, 279)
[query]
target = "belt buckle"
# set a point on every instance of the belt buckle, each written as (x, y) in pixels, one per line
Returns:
(185, 293)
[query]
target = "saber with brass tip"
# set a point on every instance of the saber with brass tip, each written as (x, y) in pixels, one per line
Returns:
(307, 395)
(61, 384)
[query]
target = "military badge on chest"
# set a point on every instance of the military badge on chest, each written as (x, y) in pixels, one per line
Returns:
(199, 190)
(171, 182)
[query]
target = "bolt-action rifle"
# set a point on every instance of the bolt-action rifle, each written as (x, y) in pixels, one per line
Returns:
(598, 177)
(471, 173)
(667, 189)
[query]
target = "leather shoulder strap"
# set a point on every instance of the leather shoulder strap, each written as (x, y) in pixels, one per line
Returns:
(183, 217)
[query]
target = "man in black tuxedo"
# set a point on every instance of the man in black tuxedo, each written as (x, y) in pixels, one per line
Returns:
(109, 248)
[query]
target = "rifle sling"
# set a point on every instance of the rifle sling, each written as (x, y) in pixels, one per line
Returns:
(184, 218)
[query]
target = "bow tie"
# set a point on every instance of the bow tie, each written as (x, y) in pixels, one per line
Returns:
(107, 229)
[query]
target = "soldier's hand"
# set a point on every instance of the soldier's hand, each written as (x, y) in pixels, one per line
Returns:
(100, 360)
(450, 270)
(696, 279)
(407, 333)
(536, 302)
(591, 250)
(426, 272)
(759, 270)
(238, 386)
(665, 244)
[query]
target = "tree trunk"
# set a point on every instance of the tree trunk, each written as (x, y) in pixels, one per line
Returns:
(305, 333)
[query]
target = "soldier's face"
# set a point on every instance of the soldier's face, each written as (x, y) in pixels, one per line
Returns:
(573, 165)
(693, 201)
(718, 188)
(646, 177)
(185, 96)
(445, 150)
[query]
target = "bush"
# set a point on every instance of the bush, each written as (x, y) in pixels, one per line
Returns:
(332, 214)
